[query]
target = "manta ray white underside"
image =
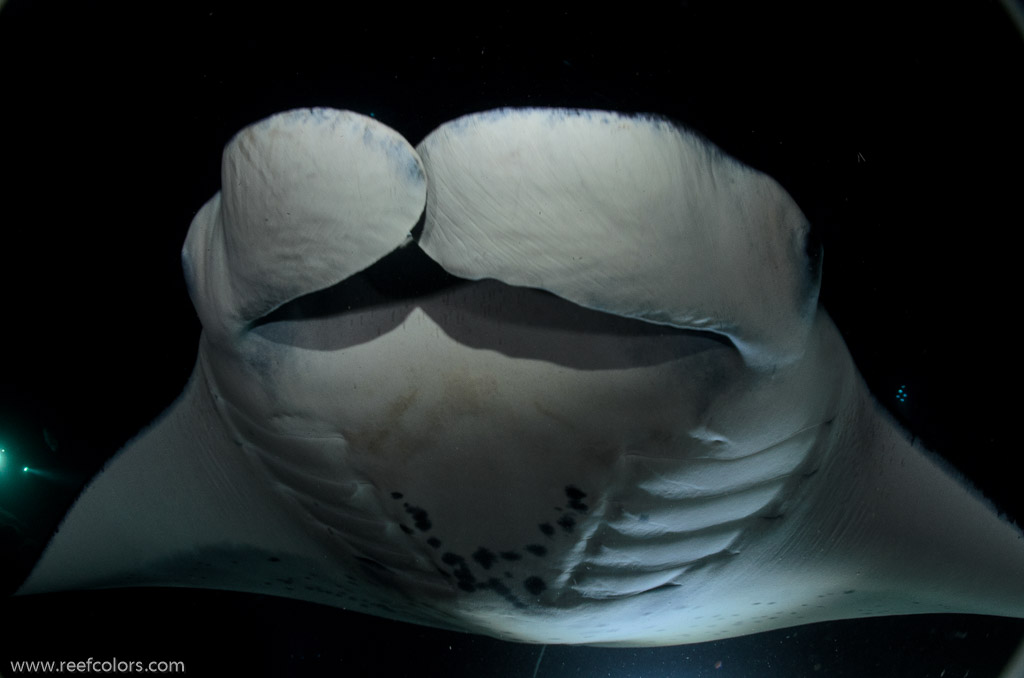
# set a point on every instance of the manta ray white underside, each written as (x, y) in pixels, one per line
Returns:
(616, 416)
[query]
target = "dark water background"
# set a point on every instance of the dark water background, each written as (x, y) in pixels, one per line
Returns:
(897, 130)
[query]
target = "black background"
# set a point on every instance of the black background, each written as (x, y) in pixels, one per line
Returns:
(897, 130)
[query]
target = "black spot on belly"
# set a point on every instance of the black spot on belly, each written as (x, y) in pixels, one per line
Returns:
(547, 529)
(397, 495)
(419, 515)
(274, 559)
(484, 557)
(435, 542)
(536, 549)
(466, 580)
(535, 585)
(567, 522)
(406, 529)
(505, 592)
(510, 555)
(575, 494)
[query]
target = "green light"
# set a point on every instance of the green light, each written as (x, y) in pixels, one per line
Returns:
(24, 469)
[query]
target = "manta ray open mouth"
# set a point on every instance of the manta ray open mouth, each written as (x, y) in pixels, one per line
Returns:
(634, 426)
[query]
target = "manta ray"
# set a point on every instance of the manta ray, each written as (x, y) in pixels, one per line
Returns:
(553, 376)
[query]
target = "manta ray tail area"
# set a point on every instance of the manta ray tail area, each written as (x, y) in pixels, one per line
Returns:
(308, 198)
